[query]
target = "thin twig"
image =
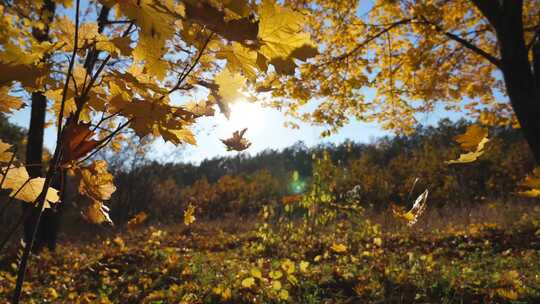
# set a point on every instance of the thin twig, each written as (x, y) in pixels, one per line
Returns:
(69, 73)
(184, 75)
(106, 140)
(93, 79)
(50, 174)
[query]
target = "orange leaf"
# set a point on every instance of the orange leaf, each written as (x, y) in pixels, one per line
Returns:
(77, 141)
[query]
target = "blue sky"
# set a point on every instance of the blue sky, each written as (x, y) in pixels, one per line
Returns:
(265, 130)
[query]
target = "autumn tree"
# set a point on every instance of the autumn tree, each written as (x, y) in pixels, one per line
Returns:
(387, 61)
(123, 70)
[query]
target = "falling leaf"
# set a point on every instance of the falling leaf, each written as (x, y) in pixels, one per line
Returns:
(189, 215)
(472, 137)
(237, 142)
(411, 217)
(474, 140)
(138, 219)
(97, 213)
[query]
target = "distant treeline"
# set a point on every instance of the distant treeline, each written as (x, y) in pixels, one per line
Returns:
(385, 170)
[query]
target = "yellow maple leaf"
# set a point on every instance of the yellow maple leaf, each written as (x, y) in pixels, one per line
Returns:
(115, 46)
(64, 29)
(150, 52)
(239, 7)
(5, 156)
(26, 74)
(156, 27)
(200, 108)
(240, 59)
(177, 136)
(281, 33)
(26, 189)
(9, 103)
(229, 85)
(96, 182)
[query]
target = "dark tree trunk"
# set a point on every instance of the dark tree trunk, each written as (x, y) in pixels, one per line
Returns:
(48, 226)
(519, 74)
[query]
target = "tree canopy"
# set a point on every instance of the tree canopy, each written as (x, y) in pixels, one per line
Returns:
(387, 61)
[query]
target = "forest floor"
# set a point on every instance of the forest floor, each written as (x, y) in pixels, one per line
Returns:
(482, 263)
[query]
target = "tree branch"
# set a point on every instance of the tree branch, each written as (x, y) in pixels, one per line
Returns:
(490, 9)
(368, 40)
(469, 45)
(466, 43)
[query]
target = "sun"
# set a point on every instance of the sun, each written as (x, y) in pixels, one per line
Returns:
(245, 114)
